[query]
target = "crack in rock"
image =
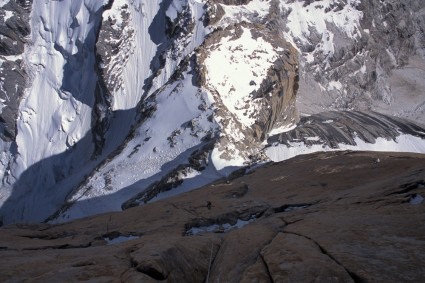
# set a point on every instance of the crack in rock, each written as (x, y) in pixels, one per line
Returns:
(353, 276)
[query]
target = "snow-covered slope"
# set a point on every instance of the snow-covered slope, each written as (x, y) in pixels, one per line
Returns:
(53, 139)
(359, 55)
(125, 102)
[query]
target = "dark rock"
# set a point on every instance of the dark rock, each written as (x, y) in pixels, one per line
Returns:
(359, 228)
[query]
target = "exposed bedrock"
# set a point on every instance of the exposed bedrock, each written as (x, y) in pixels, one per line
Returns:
(333, 128)
(324, 217)
(374, 61)
(14, 31)
(271, 103)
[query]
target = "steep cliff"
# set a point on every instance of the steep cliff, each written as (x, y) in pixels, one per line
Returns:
(328, 217)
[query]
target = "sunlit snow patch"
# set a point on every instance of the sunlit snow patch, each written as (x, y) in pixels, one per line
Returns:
(227, 165)
(302, 19)
(238, 13)
(3, 2)
(236, 68)
(403, 143)
(115, 12)
(282, 129)
(175, 8)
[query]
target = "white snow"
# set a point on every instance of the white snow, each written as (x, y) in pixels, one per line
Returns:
(221, 163)
(3, 2)
(2, 104)
(144, 161)
(236, 68)
(51, 119)
(255, 9)
(50, 115)
(416, 199)
(55, 115)
(295, 207)
(8, 15)
(223, 228)
(132, 62)
(403, 143)
(313, 138)
(175, 8)
(115, 12)
(335, 85)
(301, 20)
(309, 57)
(54, 119)
(120, 239)
(282, 129)
(11, 57)
(137, 48)
(194, 181)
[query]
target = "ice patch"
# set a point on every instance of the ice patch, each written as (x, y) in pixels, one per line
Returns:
(218, 228)
(416, 199)
(120, 239)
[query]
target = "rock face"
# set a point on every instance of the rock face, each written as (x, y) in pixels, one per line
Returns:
(229, 112)
(371, 60)
(14, 31)
(341, 130)
(333, 128)
(328, 217)
(118, 103)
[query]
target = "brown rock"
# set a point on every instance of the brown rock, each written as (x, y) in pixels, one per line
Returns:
(324, 217)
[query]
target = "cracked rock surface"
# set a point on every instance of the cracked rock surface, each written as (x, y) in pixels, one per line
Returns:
(324, 217)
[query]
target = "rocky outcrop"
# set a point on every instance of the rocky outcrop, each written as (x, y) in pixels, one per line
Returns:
(232, 2)
(14, 31)
(331, 129)
(369, 61)
(269, 104)
(198, 162)
(334, 217)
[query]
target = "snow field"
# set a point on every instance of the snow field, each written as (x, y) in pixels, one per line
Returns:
(403, 143)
